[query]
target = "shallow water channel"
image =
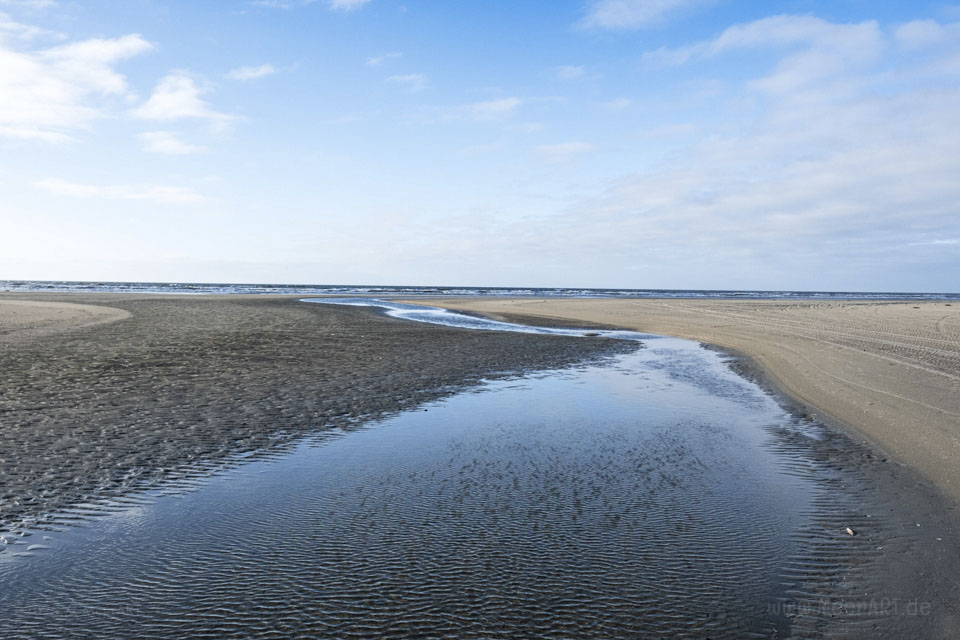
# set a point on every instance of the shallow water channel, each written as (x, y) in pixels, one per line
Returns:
(648, 496)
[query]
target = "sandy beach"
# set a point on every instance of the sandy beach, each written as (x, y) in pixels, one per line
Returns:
(890, 372)
(103, 393)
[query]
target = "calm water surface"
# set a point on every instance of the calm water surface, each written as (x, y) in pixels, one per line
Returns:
(644, 498)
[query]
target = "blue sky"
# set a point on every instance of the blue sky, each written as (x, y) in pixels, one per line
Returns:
(606, 143)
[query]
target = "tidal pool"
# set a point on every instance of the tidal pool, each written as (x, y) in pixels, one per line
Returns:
(649, 496)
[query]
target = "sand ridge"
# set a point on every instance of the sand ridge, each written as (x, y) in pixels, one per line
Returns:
(24, 319)
(888, 370)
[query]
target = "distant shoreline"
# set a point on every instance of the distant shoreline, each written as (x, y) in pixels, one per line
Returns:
(197, 288)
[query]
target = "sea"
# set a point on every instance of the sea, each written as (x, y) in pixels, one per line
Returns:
(378, 290)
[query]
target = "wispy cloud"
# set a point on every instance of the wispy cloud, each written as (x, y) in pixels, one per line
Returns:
(20, 132)
(822, 49)
(333, 5)
(412, 82)
(948, 242)
(812, 176)
(252, 73)
(33, 5)
(153, 193)
(276, 4)
(775, 31)
(498, 109)
(178, 96)
(569, 72)
(634, 14)
(376, 61)
(22, 31)
(923, 34)
(564, 152)
(167, 143)
(809, 188)
(48, 94)
(526, 127)
(347, 5)
(617, 104)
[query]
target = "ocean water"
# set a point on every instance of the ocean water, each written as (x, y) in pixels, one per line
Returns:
(341, 290)
(656, 495)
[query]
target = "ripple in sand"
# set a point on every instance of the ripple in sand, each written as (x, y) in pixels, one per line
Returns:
(626, 501)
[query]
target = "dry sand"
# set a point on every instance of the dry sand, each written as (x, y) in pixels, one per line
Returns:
(100, 394)
(889, 371)
(21, 320)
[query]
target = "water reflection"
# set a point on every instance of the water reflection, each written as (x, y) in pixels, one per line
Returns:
(633, 500)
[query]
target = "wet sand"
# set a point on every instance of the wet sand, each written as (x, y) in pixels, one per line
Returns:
(128, 390)
(890, 372)
(103, 394)
(642, 498)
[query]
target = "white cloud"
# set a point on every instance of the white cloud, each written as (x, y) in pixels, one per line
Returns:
(281, 4)
(775, 31)
(499, 109)
(49, 93)
(937, 242)
(876, 168)
(844, 181)
(568, 72)
(825, 49)
(333, 5)
(89, 62)
(275, 4)
(166, 143)
(526, 127)
(633, 14)
(376, 61)
(918, 34)
(347, 5)
(411, 82)
(152, 193)
(10, 27)
(252, 73)
(672, 131)
(33, 5)
(617, 104)
(178, 96)
(30, 133)
(564, 151)
(852, 190)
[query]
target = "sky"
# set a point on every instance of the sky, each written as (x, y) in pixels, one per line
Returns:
(694, 144)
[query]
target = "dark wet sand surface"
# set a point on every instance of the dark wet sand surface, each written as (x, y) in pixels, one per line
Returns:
(92, 412)
(663, 496)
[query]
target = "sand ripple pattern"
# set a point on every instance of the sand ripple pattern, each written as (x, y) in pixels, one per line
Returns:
(181, 384)
(608, 502)
(568, 506)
